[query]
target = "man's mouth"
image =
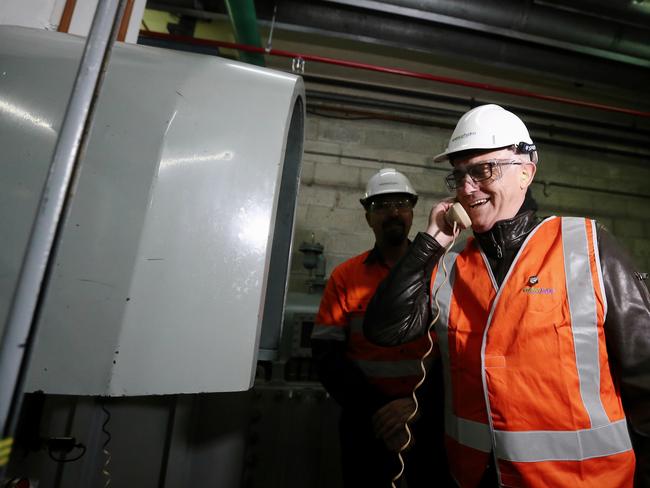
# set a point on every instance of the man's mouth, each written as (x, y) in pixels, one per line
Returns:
(479, 202)
(393, 223)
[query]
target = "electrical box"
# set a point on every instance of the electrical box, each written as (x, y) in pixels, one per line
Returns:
(171, 262)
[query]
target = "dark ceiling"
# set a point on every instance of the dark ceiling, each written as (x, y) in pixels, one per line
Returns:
(597, 42)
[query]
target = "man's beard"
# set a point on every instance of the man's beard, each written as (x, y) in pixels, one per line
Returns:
(394, 232)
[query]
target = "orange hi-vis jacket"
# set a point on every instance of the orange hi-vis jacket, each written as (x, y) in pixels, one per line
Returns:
(394, 371)
(527, 377)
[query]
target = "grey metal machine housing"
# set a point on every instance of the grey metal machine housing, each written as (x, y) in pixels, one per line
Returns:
(170, 267)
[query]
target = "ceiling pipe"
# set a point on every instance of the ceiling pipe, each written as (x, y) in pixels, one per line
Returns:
(400, 72)
(244, 26)
(459, 46)
(453, 46)
(632, 13)
(66, 15)
(529, 22)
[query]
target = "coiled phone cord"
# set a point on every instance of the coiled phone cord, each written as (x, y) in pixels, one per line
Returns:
(455, 233)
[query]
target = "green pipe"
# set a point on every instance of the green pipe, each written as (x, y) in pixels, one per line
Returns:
(244, 25)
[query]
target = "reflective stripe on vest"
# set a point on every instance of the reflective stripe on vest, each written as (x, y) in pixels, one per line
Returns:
(582, 304)
(563, 445)
(602, 438)
(372, 369)
(394, 368)
(467, 432)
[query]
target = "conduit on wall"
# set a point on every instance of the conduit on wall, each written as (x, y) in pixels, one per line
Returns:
(396, 71)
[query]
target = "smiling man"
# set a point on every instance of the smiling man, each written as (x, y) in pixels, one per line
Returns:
(543, 326)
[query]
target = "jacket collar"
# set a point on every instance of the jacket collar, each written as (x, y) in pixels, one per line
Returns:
(507, 235)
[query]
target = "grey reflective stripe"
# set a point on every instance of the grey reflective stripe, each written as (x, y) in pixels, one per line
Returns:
(600, 271)
(444, 287)
(356, 324)
(463, 431)
(328, 332)
(390, 369)
(489, 268)
(536, 446)
(469, 433)
(582, 306)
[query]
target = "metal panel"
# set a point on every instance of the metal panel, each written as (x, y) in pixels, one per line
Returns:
(28, 133)
(162, 266)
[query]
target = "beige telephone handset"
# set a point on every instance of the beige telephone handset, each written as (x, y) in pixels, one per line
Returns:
(456, 213)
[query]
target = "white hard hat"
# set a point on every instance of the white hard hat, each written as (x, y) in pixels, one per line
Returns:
(488, 127)
(388, 180)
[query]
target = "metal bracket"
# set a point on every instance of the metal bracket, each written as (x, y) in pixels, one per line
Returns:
(269, 41)
(298, 66)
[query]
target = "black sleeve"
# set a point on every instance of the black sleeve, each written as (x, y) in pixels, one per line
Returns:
(627, 332)
(399, 311)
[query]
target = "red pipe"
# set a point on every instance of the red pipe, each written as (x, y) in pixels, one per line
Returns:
(394, 71)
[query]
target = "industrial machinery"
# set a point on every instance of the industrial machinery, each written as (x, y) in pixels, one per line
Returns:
(172, 261)
(169, 270)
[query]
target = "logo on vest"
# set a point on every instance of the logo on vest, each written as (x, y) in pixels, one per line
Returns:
(532, 281)
(537, 291)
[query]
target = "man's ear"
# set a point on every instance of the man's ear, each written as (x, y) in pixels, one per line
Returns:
(527, 174)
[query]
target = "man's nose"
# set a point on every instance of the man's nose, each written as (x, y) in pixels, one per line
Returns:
(468, 185)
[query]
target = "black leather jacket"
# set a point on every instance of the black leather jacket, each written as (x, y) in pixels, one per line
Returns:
(400, 312)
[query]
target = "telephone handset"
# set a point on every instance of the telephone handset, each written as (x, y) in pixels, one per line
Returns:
(456, 213)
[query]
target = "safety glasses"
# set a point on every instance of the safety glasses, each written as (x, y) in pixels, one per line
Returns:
(385, 206)
(480, 171)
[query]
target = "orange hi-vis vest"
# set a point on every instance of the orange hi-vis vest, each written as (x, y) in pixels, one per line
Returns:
(527, 377)
(394, 371)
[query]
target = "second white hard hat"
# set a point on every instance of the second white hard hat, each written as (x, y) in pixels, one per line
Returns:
(487, 127)
(388, 180)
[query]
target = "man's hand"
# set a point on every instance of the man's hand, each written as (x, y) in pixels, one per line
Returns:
(389, 422)
(438, 228)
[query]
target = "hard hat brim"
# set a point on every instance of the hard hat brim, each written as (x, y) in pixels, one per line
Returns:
(441, 158)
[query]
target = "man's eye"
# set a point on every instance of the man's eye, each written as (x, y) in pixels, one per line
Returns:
(480, 170)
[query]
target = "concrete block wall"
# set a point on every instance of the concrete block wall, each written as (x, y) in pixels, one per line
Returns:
(341, 154)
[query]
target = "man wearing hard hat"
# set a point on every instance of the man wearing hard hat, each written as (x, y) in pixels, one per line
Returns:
(543, 326)
(373, 384)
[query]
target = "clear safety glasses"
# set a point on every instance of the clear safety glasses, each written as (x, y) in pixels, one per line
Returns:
(480, 171)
